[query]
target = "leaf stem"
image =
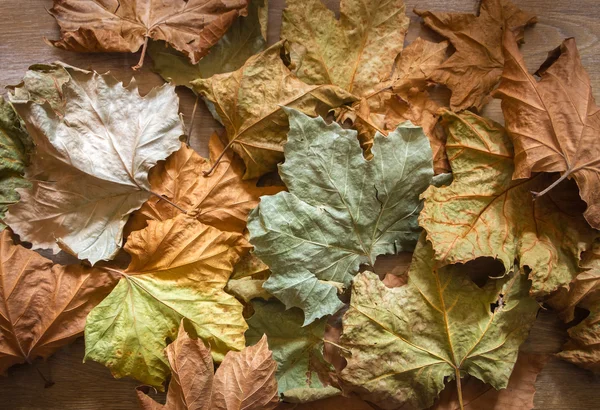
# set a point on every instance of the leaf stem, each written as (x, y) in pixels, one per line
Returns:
(336, 345)
(168, 201)
(554, 184)
(191, 127)
(219, 158)
(459, 389)
(141, 62)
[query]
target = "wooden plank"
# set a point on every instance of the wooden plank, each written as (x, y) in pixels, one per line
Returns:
(90, 386)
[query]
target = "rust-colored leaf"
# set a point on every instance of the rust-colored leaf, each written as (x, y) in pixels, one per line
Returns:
(554, 122)
(189, 26)
(474, 70)
(43, 306)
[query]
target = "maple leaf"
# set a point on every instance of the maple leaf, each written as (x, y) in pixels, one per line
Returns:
(77, 203)
(342, 210)
(583, 292)
(243, 39)
(474, 70)
(254, 119)
(563, 120)
(479, 396)
(15, 146)
(43, 306)
(245, 380)
(403, 342)
(355, 52)
(178, 270)
(404, 97)
(222, 200)
(297, 349)
(190, 26)
(336, 402)
(485, 213)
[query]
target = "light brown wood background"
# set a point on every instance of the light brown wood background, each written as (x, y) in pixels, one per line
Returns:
(90, 386)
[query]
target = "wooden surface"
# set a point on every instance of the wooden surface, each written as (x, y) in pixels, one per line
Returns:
(90, 386)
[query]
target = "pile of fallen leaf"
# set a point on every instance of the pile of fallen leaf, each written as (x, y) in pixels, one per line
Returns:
(260, 259)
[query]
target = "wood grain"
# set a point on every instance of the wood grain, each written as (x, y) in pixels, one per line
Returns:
(90, 386)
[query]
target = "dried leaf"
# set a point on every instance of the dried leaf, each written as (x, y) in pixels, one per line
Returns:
(77, 203)
(403, 98)
(15, 147)
(582, 348)
(477, 395)
(245, 380)
(249, 101)
(485, 213)
(189, 26)
(222, 200)
(337, 402)
(562, 121)
(474, 70)
(404, 342)
(250, 266)
(242, 40)
(355, 52)
(179, 269)
(341, 211)
(297, 350)
(43, 306)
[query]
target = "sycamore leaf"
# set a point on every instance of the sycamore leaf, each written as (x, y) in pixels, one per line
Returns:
(243, 39)
(485, 213)
(189, 26)
(298, 351)
(15, 146)
(583, 346)
(477, 395)
(76, 202)
(249, 101)
(561, 133)
(342, 210)
(402, 98)
(250, 266)
(222, 200)
(355, 52)
(245, 380)
(43, 306)
(474, 70)
(404, 342)
(178, 270)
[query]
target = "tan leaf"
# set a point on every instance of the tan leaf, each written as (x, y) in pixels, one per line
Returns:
(554, 122)
(473, 71)
(583, 346)
(222, 200)
(189, 26)
(331, 403)
(518, 395)
(249, 102)
(485, 213)
(43, 306)
(245, 380)
(355, 52)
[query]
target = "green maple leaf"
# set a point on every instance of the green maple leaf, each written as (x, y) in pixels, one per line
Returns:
(297, 350)
(341, 210)
(403, 342)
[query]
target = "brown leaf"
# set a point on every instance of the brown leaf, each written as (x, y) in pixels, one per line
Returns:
(477, 395)
(222, 200)
(582, 348)
(475, 68)
(554, 122)
(245, 380)
(189, 26)
(43, 306)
